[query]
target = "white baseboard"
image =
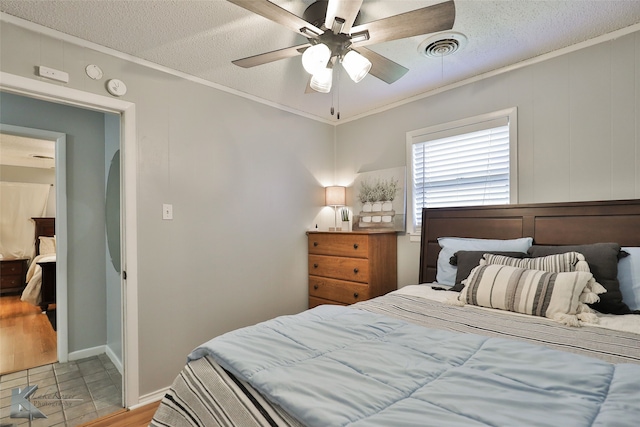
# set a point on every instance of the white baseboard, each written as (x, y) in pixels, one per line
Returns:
(114, 359)
(96, 351)
(87, 352)
(150, 398)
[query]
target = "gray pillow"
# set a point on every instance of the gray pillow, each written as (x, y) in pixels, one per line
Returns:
(603, 263)
(468, 260)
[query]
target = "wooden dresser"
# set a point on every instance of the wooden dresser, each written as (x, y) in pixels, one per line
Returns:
(13, 274)
(345, 268)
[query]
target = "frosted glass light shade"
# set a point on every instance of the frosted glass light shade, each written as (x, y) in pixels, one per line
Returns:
(356, 65)
(322, 80)
(335, 196)
(315, 58)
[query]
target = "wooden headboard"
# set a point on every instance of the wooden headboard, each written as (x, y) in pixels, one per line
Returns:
(571, 223)
(44, 227)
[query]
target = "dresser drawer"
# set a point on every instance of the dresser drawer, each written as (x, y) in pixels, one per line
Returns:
(9, 282)
(350, 269)
(12, 274)
(337, 290)
(338, 244)
(314, 302)
(11, 268)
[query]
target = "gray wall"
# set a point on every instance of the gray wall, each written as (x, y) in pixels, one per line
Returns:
(85, 207)
(578, 129)
(245, 181)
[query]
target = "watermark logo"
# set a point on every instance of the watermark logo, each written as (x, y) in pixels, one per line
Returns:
(20, 405)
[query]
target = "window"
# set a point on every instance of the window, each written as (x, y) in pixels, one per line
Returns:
(469, 162)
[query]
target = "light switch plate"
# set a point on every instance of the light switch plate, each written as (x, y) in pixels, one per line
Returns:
(167, 211)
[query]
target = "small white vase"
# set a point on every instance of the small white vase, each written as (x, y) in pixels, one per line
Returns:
(376, 207)
(387, 206)
(366, 207)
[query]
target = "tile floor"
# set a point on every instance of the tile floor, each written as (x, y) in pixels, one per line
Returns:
(68, 394)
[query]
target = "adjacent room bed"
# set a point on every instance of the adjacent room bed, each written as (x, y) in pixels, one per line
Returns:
(531, 334)
(41, 275)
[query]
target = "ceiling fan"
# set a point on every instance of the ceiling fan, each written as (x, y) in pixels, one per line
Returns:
(332, 38)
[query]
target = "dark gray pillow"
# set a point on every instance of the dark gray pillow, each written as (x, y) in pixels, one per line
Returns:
(468, 260)
(603, 263)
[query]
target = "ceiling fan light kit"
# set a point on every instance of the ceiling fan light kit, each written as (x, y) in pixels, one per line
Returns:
(337, 38)
(356, 65)
(315, 58)
(322, 80)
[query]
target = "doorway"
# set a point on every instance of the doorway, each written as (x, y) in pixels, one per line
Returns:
(125, 112)
(29, 186)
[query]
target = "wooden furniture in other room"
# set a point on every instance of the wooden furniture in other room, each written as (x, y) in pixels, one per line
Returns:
(345, 268)
(46, 227)
(13, 274)
(48, 290)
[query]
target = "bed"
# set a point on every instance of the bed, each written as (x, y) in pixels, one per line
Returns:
(432, 359)
(41, 275)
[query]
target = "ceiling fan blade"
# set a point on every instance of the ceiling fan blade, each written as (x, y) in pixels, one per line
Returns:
(439, 17)
(382, 67)
(345, 9)
(265, 58)
(277, 14)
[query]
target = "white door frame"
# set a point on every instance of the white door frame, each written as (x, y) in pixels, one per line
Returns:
(128, 149)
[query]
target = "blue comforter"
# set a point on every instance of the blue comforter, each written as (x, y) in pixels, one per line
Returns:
(338, 366)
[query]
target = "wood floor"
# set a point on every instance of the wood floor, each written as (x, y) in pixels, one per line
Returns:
(27, 339)
(140, 417)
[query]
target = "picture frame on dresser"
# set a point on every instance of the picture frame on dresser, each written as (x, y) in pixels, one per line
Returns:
(345, 268)
(379, 200)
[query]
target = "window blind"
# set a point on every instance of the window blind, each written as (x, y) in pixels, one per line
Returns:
(464, 166)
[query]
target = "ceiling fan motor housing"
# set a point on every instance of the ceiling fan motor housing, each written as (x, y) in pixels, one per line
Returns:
(316, 13)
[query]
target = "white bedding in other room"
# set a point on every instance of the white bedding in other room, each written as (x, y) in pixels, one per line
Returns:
(618, 322)
(31, 293)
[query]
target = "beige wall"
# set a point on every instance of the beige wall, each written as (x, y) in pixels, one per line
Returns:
(578, 129)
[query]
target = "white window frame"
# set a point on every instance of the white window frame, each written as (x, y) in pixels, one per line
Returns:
(420, 135)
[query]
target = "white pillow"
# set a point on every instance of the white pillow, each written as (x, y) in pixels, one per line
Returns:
(47, 245)
(629, 278)
(446, 273)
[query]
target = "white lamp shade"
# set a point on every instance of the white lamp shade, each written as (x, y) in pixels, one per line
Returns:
(315, 58)
(322, 80)
(335, 196)
(357, 66)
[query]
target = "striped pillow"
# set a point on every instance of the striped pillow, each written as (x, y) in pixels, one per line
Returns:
(557, 263)
(533, 292)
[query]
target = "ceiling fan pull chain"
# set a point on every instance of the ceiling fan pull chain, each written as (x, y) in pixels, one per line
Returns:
(338, 93)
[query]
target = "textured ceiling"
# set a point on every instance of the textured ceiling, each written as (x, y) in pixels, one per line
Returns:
(201, 38)
(26, 152)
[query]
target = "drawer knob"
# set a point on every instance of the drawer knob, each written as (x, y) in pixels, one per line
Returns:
(315, 243)
(315, 265)
(355, 246)
(355, 270)
(315, 287)
(355, 295)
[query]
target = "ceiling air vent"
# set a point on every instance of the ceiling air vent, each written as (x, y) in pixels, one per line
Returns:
(442, 44)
